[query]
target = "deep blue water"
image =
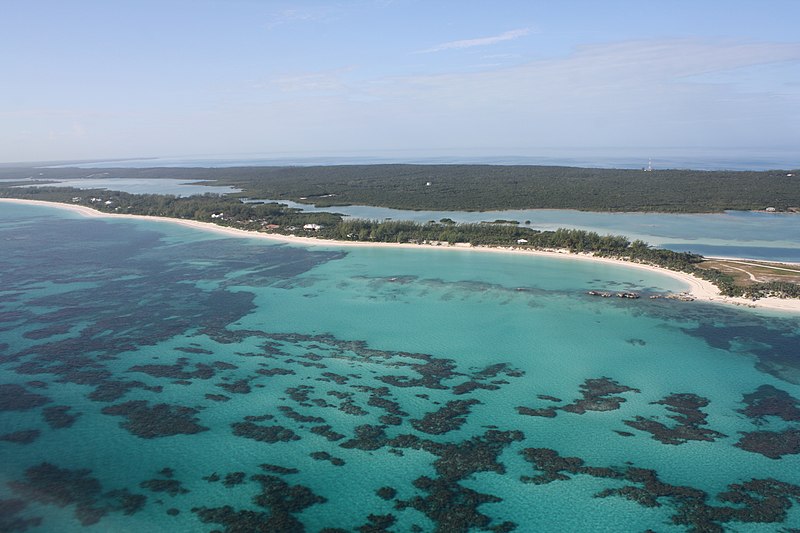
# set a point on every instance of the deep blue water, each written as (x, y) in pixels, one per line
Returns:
(155, 377)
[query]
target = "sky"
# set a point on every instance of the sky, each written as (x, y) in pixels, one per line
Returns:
(106, 79)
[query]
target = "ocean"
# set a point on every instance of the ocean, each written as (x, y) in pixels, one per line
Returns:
(655, 157)
(157, 377)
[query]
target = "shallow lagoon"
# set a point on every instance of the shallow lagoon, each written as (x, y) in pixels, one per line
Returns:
(142, 186)
(755, 235)
(156, 377)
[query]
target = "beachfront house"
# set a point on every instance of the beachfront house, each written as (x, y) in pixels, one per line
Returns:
(313, 227)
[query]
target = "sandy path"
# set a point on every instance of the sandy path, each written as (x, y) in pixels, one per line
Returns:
(765, 266)
(749, 274)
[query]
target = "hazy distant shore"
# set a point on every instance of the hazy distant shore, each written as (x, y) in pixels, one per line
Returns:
(699, 289)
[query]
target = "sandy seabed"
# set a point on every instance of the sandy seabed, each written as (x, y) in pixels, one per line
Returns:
(699, 289)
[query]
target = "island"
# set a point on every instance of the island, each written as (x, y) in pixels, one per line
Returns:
(740, 281)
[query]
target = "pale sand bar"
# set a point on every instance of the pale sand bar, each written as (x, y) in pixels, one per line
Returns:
(698, 288)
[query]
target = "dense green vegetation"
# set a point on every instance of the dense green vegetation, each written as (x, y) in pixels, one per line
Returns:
(275, 218)
(199, 207)
(483, 187)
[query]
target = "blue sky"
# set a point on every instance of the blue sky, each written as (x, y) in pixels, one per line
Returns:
(106, 79)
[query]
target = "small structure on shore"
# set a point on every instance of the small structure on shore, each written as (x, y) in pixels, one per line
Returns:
(313, 227)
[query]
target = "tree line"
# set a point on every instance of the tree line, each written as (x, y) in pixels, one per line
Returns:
(276, 218)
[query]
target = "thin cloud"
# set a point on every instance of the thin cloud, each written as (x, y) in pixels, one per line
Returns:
(289, 16)
(481, 41)
(319, 81)
(310, 82)
(634, 65)
(626, 94)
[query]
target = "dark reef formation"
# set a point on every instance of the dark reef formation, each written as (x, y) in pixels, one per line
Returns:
(598, 394)
(386, 493)
(688, 415)
(25, 436)
(770, 401)
(448, 418)
(15, 397)
(10, 519)
(755, 501)
(277, 469)
(58, 416)
(772, 444)
(233, 479)
(48, 484)
(279, 498)
(170, 486)
(160, 420)
(176, 371)
(449, 504)
(268, 434)
(325, 456)
(763, 406)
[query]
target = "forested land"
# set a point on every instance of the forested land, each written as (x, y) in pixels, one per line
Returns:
(275, 218)
(483, 187)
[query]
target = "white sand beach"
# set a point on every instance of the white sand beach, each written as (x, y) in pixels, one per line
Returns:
(699, 289)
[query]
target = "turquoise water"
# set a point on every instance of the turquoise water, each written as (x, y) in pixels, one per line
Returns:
(161, 378)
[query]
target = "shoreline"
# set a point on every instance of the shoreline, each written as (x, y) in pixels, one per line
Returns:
(699, 289)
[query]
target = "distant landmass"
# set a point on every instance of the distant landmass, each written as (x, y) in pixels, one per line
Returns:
(480, 187)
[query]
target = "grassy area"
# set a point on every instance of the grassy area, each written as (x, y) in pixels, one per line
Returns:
(750, 272)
